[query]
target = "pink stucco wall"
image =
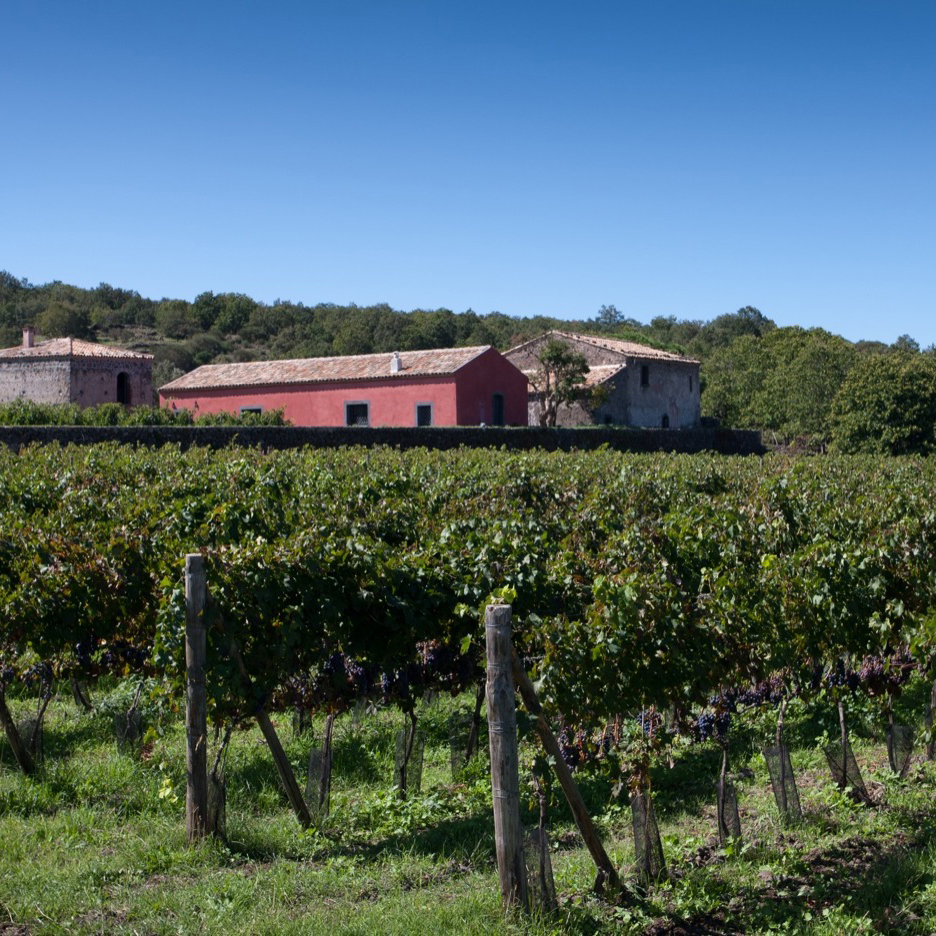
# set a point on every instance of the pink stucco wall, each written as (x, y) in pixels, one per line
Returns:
(480, 379)
(463, 398)
(392, 402)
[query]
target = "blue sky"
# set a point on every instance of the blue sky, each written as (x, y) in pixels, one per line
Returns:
(670, 158)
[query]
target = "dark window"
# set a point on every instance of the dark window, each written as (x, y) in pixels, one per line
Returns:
(665, 422)
(690, 383)
(423, 414)
(357, 414)
(497, 409)
(251, 409)
(123, 388)
(608, 420)
(644, 375)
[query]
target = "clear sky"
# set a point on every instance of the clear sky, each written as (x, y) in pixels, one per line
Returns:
(670, 158)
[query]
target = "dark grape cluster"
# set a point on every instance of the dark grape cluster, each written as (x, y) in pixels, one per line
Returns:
(767, 692)
(881, 675)
(342, 680)
(39, 675)
(712, 725)
(725, 701)
(649, 721)
(575, 748)
(119, 653)
(705, 726)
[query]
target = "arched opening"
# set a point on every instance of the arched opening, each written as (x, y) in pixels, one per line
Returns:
(123, 388)
(666, 421)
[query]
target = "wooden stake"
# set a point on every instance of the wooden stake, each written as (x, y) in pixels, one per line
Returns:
(505, 773)
(20, 751)
(283, 767)
(606, 872)
(196, 706)
(931, 744)
(475, 724)
(784, 806)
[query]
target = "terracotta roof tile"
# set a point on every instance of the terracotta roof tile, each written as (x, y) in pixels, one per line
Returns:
(626, 348)
(597, 374)
(70, 348)
(326, 369)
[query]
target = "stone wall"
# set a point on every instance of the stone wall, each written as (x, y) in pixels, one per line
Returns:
(94, 381)
(666, 393)
(36, 380)
(724, 441)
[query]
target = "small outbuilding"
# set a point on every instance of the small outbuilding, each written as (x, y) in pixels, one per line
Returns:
(638, 385)
(69, 370)
(443, 387)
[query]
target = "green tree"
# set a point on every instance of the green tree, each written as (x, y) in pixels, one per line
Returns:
(62, 321)
(559, 379)
(887, 406)
(784, 381)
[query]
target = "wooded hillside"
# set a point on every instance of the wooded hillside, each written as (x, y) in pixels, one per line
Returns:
(793, 383)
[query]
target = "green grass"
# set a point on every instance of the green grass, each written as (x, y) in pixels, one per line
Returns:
(96, 842)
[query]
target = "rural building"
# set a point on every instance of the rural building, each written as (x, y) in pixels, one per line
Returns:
(640, 386)
(68, 370)
(446, 387)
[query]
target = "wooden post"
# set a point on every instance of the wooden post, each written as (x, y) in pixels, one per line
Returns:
(606, 871)
(505, 773)
(196, 715)
(930, 709)
(20, 750)
(283, 767)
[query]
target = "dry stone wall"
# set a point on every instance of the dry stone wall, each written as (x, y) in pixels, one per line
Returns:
(724, 441)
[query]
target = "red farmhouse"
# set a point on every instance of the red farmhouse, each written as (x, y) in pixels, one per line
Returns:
(446, 387)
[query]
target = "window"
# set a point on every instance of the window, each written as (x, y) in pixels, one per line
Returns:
(690, 383)
(423, 414)
(665, 421)
(357, 414)
(497, 409)
(123, 388)
(250, 409)
(608, 420)
(644, 375)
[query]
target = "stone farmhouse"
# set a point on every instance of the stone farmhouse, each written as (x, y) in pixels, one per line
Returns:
(642, 386)
(444, 387)
(68, 370)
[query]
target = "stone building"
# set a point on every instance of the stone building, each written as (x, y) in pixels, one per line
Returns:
(640, 386)
(68, 370)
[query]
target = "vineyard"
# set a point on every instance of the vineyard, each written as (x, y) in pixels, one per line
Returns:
(740, 650)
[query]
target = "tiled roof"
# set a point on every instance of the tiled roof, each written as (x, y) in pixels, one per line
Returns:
(597, 374)
(626, 348)
(326, 369)
(70, 348)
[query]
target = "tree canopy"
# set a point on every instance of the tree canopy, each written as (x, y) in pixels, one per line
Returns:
(887, 406)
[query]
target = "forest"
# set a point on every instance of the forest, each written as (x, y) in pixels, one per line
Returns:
(801, 386)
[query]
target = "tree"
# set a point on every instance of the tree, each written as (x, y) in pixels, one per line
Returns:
(559, 379)
(887, 406)
(784, 381)
(62, 321)
(905, 343)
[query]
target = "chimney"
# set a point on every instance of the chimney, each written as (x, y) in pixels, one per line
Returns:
(29, 336)
(396, 365)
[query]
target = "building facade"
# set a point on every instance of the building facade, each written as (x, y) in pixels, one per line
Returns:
(444, 387)
(637, 385)
(68, 370)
